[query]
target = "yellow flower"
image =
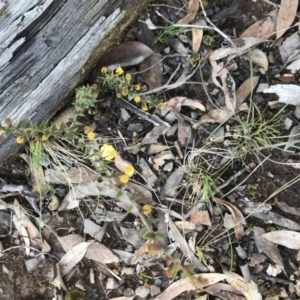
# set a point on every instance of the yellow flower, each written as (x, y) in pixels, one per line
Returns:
(91, 135)
(86, 129)
(160, 105)
(20, 139)
(147, 209)
(94, 86)
(103, 70)
(129, 170)
(124, 178)
(124, 92)
(95, 95)
(128, 77)
(119, 71)
(118, 95)
(137, 99)
(77, 96)
(137, 87)
(144, 107)
(108, 152)
(44, 138)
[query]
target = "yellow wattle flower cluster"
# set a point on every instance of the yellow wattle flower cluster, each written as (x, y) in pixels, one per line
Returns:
(108, 152)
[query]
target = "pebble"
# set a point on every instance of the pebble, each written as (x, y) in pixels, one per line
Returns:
(128, 292)
(157, 281)
(209, 12)
(154, 290)
(142, 291)
(112, 284)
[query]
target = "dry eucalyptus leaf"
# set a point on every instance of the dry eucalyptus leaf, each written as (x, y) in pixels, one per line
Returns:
(286, 238)
(185, 248)
(266, 247)
(100, 253)
(173, 183)
(72, 258)
(262, 28)
(192, 10)
(223, 289)
(286, 15)
(288, 209)
(132, 236)
(197, 35)
(245, 89)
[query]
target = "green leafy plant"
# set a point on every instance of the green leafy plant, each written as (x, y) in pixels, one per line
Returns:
(169, 31)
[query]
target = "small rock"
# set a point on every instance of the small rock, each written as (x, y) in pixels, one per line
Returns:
(157, 281)
(209, 12)
(80, 285)
(218, 136)
(128, 292)
(112, 284)
(124, 114)
(142, 291)
(154, 290)
(54, 203)
(128, 271)
(168, 167)
(91, 228)
(135, 127)
(31, 264)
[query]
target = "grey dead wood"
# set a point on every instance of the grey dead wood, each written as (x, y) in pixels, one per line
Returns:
(48, 47)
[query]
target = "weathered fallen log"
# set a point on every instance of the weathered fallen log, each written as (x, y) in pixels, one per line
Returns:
(48, 47)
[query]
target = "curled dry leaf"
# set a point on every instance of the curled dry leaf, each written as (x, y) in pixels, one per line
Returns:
(238, 217)
(286, 238)
(125, 54)
(286, 16)
(227, 84)
(192, 10)
(177, 102)
(258, 57)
